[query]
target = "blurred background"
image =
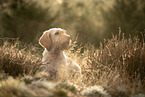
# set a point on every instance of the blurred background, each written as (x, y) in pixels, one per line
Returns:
(90, 21)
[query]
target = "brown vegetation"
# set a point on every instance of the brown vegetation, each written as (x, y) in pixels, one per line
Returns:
(115, 69)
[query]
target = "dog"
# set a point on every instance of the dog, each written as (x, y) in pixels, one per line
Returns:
(55, 41)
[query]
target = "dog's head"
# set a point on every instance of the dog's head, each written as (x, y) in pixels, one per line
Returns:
(55, 38)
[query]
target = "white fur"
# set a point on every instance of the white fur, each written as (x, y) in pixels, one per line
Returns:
(53, 55)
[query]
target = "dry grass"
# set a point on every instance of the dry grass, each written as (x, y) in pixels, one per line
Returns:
(18, 59)
(115, 69)
(118, 65)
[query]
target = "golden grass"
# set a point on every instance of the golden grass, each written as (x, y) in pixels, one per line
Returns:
(114, 69)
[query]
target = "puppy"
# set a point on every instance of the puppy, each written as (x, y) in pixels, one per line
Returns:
(55, 41)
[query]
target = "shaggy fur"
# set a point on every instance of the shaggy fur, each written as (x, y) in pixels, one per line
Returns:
(55, 41)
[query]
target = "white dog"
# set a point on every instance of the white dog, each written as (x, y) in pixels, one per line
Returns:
(55, 41)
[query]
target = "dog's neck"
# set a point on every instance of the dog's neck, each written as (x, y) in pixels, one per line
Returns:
(55, 54)
(53, 58)
(50, 56)
(56, 51)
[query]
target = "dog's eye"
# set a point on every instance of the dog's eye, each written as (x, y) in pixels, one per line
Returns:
(57, 33)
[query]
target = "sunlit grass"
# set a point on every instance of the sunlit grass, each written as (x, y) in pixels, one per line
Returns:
(114, 69)
(18, 59)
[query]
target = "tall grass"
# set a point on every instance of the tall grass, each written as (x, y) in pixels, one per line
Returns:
(114, 69)
(17, 59)
(118, 64)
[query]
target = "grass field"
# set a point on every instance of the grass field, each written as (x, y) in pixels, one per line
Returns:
(115, 69)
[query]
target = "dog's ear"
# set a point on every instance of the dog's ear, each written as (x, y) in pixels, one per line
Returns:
(45, 40)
